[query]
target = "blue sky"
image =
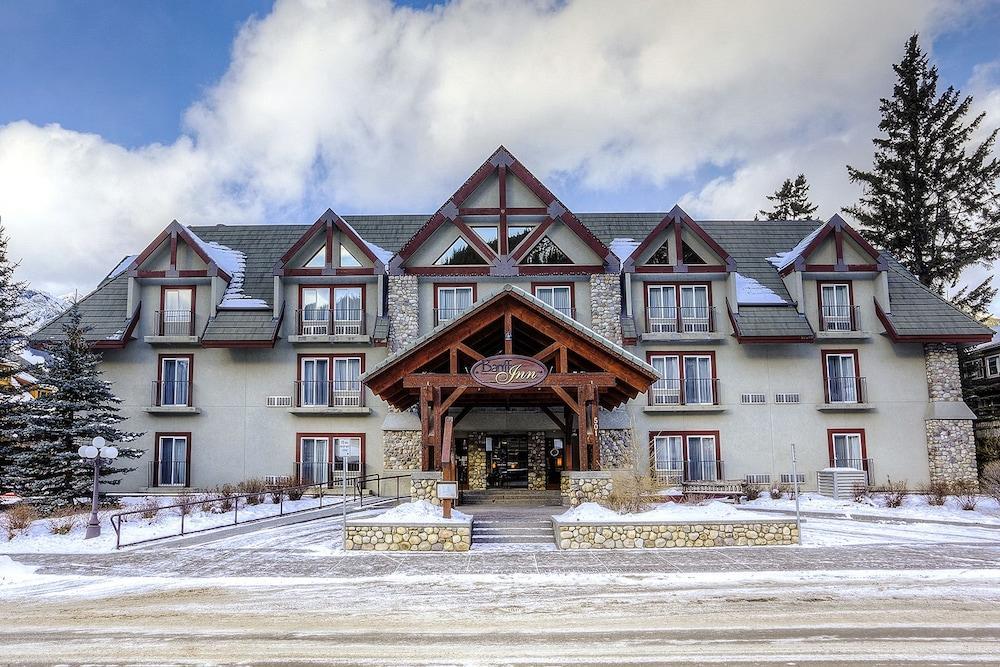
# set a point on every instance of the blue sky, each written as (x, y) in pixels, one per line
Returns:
(704, 132)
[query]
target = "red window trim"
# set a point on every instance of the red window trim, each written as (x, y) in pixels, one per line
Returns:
(684, 436)
(156, 455)
(329, 445)
(329, 357)
(336, 286)
(437, 286)
(823, 354)
(159, 371)
(685, 353)
(194, 301)
(830, 432)
(850, 299)
(572, 291)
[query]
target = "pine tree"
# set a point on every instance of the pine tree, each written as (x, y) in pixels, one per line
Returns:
(791, 201)
(11, 341)
(77, 407)
(931, 198)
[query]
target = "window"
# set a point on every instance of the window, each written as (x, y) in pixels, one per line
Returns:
(973, 369)
(176, 311)
(348, 449)
(668, 456)
(516, 234)
(315, 309)
(490, 235)
(702, 462)
(842, 382)
(348, 260)
(317, 261)
(689, 255)
(993, 366)
(678, 308)
(559, 297)
(546, 252)
(686, 456)
(348, 311)
(685, 379)
(314, 384)
(836, 313)
(172, 459)
(175, 381)
(312, 466)
(460, 253)
(347, 381)
(848, 450)
(453, 301)
(661, 256)
(330, 381)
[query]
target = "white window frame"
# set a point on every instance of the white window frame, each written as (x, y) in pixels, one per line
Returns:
(840, 317)
(319, 322)
(347, 326)
(347, 391)
(662, 318)
(849, 391)
(318, 443)
(314, 392)
(448, 314)
(708, 470)
(551, 291)
(176, 470)
(674, 465)
(849, 447)
(184, 386)
(995, 370)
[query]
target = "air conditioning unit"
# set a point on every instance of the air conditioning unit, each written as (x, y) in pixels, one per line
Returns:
(786, 398)
(759, 478)
(279, 401)
(277, 480)
(753, 399)
(314, 330)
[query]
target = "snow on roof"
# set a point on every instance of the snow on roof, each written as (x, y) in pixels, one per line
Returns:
(749, 292)
(234, 263)
(29, 356)
(383, 255)
(623, 247)
(783, 259)
(994, 342)
(124, 264)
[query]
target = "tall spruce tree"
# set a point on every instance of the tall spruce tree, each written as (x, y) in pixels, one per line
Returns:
(78, 406)
(931, 198)
(791, 201)
(12, 405)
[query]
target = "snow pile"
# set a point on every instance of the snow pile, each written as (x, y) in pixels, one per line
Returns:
(419, 511)
(783, 259)
(750, 292)
(712, 510)
(234, 263)
(12, 571)
(914, 507)
(623, 248)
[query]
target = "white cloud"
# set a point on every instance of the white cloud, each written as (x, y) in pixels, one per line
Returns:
(363, 106)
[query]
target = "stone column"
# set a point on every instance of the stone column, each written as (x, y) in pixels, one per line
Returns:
(606, 306)
(536, 460)
(476, 466)
(951, 440)
(616, 449)
(403, 311)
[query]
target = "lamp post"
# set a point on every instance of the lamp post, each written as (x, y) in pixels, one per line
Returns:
(97, 450)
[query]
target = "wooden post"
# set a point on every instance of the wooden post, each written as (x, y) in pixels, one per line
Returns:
(448, 473)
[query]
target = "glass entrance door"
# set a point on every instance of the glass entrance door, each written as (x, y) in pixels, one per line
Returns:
(507, 463)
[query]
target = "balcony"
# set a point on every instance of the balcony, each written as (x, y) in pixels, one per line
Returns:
(339, 325)
(867, 465)
(173, 327)
(168, 473)
(692, 323)
(687, 395)
(326, 473)
(685, 472)
(847, 394)
(840, 322)
(172, 397)
(337, 397)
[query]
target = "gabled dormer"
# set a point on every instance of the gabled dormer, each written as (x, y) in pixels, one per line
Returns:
(331, 247)
(679, 245)
(833, 247)
(177, 253)
(503, 221)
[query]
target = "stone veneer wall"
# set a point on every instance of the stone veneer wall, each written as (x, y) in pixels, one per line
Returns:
(403, 311)
(617, 452)
(664, 536)
(476, 466)
(423, 486)
(430, 537)
(536, 460)
(579, 486)
(401, 450)
(606, 305)
(951, 443)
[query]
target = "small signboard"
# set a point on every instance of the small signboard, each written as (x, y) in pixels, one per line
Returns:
(509, 371)
(447, 490)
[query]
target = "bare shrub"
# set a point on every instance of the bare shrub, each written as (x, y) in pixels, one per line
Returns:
(859, 492)
(62, 520)
(695, 498)
(936, 493)
(894, 493)
(966, 494)
(226, 502)
(208, 502)
(17, 518)
(632, 493)
(255, 487)
(275, 495)
(989, 482)
(787, 490)
(150, 508)
(775, 492)
(295, 492)
(751, 491)
(184, 501)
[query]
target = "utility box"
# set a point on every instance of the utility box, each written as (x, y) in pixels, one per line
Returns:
(840, 483)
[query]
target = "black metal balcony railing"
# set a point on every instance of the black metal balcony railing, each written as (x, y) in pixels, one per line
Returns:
(173, 323)
(846, 390)
(330, 394)
(172, 393)
(168, 473)
(326, 472)
(867, 465)
(675, 472)
(330, 322)
(442, 315)
(686, 319)
(689, 391)
(839, 318)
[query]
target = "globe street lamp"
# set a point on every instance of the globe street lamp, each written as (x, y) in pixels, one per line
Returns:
(97, 450)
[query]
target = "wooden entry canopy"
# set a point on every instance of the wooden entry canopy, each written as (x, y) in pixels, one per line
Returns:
(586, 371)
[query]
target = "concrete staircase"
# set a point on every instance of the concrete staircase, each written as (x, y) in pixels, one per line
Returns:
(517, 529)
(523, 497)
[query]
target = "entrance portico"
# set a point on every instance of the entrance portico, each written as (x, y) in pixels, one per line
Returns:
(512, 361)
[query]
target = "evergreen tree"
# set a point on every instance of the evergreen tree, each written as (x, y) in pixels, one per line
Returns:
(931, 198)
(791, 201)
(78, 406)
(11, 341)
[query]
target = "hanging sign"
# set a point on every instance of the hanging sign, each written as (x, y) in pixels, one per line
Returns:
(509, 371)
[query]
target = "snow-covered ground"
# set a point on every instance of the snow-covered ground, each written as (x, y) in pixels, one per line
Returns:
(713, 510)
(914, 507)
(419, 511)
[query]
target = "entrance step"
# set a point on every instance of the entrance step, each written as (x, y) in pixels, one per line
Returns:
(511, 497)
(525, 530)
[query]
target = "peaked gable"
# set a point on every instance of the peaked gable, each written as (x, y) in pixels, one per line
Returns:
(842, 233)
(681, 224)
(502, 211)
(326, 228)
(177, 236)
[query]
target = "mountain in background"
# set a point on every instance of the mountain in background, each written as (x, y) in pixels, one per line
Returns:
(40, 307)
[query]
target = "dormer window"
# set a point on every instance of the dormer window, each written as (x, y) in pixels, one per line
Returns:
(837, 313)
(661, 256)
(176, 316)
(460, 253)
(546, 252)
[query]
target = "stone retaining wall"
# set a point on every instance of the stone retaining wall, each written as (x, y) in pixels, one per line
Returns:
(665, 536)
(583, 486)
(425, 537)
